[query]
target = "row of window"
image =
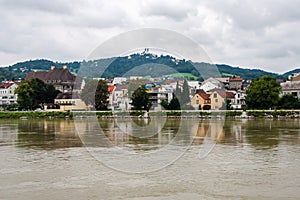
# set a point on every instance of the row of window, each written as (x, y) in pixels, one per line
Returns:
(5, 92)
(6, 97)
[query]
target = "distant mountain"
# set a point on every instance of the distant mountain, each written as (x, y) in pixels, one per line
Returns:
(145, 64)
(295, 71)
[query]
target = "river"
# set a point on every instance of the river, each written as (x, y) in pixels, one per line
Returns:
(149, 159)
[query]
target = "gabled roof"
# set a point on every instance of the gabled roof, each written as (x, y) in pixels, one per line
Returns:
(121, 87)
(202, 94)
(235, 79)
(61, 74)
(5, 85)
(224, 94)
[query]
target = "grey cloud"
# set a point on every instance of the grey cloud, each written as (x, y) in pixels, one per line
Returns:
(245, 33)
(54, 6)
(168, 9)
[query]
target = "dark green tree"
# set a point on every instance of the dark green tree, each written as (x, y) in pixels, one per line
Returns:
(140, 99)
(24, 92)
(88, 92)
(101, 95)
(185, 95)
(165, 104)
(177, 92)
(174, 104)
(35, 93)
(289, 101)
(263, 93)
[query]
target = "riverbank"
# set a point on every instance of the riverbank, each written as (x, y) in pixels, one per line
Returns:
(165, 113)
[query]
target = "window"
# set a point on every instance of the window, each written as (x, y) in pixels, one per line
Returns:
(215, 95)
(197, 101)
(216, 100)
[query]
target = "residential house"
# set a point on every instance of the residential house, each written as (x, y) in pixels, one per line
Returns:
(157, 94)
(110, 89)
(294, 77)
(235, 83)
(67, 83)
(291, 87)
(7, 93)
(66, 101)
(211, 84)
(60, 78)
(239, 100)
(119, 80)
(201, 100)
(218, 98)
(120, 97)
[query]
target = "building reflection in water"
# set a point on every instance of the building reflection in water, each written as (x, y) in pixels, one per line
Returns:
(47, 134)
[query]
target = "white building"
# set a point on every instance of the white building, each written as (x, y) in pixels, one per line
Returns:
(119, 80)
(291, 87)
(7, 93)
(239, 100)
(211, 84)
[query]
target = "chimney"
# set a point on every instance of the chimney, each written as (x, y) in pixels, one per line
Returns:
(52, 67)
(65, 67)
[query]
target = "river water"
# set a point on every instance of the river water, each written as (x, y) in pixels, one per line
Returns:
(149, 159)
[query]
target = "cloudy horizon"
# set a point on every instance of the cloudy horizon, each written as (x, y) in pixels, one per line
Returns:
(247, 34)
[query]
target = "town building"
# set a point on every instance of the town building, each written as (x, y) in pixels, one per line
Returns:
(7, 93)
(291, 87)
(61, 78)
(201, 100)
(211, 84)
(235, 83)
(219, 99)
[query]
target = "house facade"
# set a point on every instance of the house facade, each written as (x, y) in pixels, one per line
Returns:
(291, 87)
(61, 78)
(201, 100)
(219, 97)
(235, 83)
(7, 93)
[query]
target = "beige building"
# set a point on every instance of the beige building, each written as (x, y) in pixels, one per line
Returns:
(218, 99)
(66, 102)
(201, 100)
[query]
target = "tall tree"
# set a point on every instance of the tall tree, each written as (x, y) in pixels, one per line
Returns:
(34, 93)
(140, 99)
(185, 95)
(101, 95)
(88, 92)
(177, 91)
(24, 92)
(263, 93)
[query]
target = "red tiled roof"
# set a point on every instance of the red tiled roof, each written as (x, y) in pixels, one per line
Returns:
(235, 79)
(230, 95)
(224, 94)
(121, 87)
(55, 74)
(111, 88)
(6, 85)
(202, 94)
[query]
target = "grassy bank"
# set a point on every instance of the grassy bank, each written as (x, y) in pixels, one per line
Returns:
(169, 114)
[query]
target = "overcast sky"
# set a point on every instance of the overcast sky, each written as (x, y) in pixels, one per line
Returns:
(250, 34)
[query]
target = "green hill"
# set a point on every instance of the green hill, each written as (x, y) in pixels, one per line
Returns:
(136, 64)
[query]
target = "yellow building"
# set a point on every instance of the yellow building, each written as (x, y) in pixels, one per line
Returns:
(201, 100)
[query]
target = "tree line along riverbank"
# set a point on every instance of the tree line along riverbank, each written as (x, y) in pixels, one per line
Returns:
(142, 114)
